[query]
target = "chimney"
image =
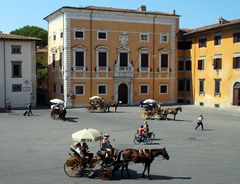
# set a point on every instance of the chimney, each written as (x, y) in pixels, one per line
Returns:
(221, 20)
(142, 8)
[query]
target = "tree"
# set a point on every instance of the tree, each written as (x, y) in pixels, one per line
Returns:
(33, 31)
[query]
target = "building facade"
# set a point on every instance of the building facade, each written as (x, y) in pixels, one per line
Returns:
(18, 70)
(213, 52)
(117, 54)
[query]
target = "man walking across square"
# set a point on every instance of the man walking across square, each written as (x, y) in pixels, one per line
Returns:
(199, 123)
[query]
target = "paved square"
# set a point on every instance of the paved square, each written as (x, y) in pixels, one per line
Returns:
(33, 149)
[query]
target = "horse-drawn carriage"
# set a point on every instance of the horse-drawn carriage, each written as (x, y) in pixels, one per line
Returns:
(96, 104)
(104, 167)
(151, 109)
(58, 110)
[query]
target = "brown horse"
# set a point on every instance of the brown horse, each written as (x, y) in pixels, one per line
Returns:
(145, 156)
(113, 104)
(173, 111)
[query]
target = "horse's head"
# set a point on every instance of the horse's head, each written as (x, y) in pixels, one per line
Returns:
(165, 154)
(179, 108)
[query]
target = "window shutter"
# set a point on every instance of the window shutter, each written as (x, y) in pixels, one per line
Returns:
(234, 63)
(220, 64)
(234, 37)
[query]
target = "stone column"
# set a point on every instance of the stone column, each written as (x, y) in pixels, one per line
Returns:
(67, 61)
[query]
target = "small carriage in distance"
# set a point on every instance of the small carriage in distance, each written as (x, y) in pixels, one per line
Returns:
(96, 104)
(78, 165)
(58, 110)
(151, 109)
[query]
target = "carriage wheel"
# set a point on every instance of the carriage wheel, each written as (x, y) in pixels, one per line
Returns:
(152, 136)
(149, 140)
(135, 140)
(73, 171)
(105, 173)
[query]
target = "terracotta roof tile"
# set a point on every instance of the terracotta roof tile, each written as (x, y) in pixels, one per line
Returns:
(17, 37)
(213, 26)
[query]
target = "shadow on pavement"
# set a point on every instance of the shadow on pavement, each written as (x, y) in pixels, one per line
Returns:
(71, 119)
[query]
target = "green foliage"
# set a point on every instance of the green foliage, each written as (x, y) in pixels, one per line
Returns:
(33, 31)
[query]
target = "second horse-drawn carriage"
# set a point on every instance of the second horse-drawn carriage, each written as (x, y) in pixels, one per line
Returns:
(153, 110)
(98, 104)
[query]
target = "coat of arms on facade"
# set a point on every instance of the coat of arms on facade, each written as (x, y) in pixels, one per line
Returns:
(123, 38)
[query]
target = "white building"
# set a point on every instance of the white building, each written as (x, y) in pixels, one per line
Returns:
(17, 70)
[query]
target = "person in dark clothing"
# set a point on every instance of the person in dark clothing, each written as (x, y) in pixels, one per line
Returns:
(29, 109)
(199, 123)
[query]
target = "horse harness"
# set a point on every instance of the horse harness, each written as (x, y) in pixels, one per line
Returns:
(145, 154)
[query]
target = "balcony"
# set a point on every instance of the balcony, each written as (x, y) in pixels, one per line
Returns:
(123, 72)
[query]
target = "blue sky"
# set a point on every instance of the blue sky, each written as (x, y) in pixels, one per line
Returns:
(15, 14)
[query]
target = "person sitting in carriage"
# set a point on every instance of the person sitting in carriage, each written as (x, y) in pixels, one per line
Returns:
(86, 154)
(107, 147)
(76, 149)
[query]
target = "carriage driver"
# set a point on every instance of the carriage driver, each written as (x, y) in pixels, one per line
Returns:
(106, 146)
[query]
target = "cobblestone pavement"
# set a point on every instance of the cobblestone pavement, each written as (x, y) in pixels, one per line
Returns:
(33, 149)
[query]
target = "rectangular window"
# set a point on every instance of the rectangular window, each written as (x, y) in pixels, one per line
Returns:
(144, 37)
(184, 45)
(144, 89)
(79, 89)
(188, 65)
(163, 88)
(123, 59)
(53, 61)
(61, 35)
(236, 63)
(60, 60)
(180, 65)
(79, 60)
(102, 89)
(16, 87)
(16, 49)
(217, 39)
(163, 37)
(217, 64)
(181, 85)
(164, 62)
(202, 42)
(102, 35)
(201, 64)
(188, 85)
(79, 34)
(16, 69)
(61, 89)
(54, 88)
(201, 86)
(102, 59)
(54, 37)
(217, 86)
(144, 60)
(236, 37)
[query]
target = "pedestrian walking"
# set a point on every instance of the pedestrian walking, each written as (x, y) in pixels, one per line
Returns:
(199, 122)
(29, 109)
(8, 108)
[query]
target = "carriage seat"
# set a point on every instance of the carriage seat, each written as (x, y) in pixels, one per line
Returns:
(75, 151)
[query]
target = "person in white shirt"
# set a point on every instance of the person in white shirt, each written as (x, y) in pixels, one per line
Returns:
(199, 122)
